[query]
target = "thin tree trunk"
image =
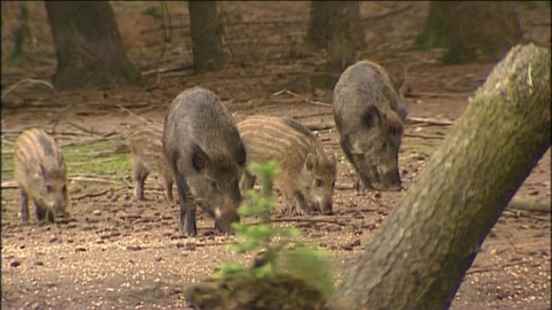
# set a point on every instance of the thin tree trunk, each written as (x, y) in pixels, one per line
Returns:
(419, 257)
(207, 33)
(88, 46)
(318, 33)
(471, 30)
(342, 45)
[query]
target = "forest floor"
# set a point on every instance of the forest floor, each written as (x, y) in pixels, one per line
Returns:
(117, 253)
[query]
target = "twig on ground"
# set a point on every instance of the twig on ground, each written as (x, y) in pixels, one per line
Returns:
(175, 68)
(312, 115)
(90, 195)
(89, 141)
(298, 219)
(431, 121)
(430, 94)
(320, 126)
(496, 267)
(525, 213)
(305, 99)
(97, 180)
(9, 184)
(411, 135)
(344, 187)
(90, 131)
(135, 115)
(31, 81)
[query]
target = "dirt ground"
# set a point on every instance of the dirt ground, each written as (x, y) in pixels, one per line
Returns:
(117, 253)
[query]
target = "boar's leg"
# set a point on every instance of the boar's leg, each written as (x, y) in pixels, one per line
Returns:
(140, 173)
(169, 188)
(187, 208)
(40, 212)
(360, 187)
(24, 207)
(50, 216)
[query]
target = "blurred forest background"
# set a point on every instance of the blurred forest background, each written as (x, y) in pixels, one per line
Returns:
(276, 58)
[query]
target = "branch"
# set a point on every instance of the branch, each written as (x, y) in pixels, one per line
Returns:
(26, 81)
(431, 121)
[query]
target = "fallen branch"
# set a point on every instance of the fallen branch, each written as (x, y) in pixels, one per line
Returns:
(431, 121)
(305, 99)
(312, 115)
(50, 132)
(89, 141)
(432, 95)
(31, 81)
(97, 180)
(175, 68)
(307, 220)
(497, 267)
(344, 187)
(411, 135)
(92, 195)
(90, 131)
(9, 184)
(135, 115)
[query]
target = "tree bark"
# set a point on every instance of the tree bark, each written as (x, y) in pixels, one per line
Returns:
(89, 50)
(419, 257)
(344, 32)
(471, 30)
(318, 33)
(207, 32)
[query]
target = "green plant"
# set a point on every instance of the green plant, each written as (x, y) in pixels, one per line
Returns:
(279, 252)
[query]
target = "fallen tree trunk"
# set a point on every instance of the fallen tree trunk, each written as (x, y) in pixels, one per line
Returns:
(418, 258)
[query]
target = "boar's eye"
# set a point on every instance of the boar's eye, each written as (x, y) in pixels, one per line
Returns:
(318, 183)
(241, 156)
(367, 120)
(369, 116)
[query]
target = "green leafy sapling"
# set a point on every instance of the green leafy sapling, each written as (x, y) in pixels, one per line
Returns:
(278, 249)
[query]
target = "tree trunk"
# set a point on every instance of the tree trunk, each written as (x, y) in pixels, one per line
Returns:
(318, 33)
(471, 30)
(344, 28)
(419, 257)
(88, 46)
(207, 32)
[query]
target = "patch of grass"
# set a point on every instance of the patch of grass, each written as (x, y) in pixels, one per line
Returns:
(82, 159)
(7, 161)
(79, 159)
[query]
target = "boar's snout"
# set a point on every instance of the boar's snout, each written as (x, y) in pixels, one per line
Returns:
(390, 181)
(228, 214)
(327, 208)
(224, 223)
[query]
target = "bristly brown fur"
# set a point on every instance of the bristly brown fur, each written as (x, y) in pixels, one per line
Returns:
(39, 166)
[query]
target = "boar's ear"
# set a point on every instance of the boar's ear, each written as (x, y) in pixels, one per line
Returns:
(310, 162)
(199, 158)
